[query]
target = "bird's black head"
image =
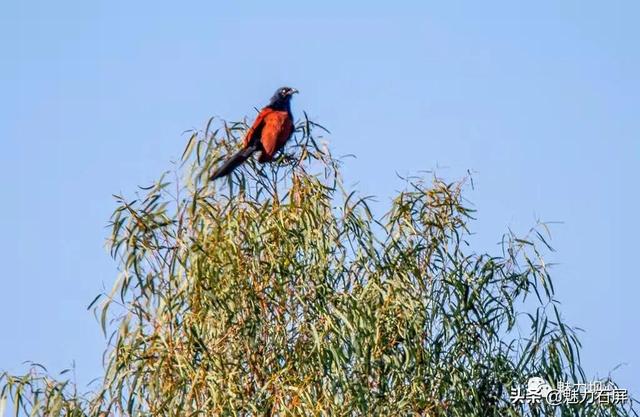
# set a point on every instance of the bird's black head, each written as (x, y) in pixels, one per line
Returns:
(282, 98)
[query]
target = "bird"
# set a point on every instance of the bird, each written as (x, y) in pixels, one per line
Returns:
(270, 131)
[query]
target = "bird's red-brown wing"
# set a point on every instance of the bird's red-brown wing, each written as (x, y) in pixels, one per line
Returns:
(255, 131)
(276, 131)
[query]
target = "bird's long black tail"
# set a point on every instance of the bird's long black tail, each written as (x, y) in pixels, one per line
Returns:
(232, 163)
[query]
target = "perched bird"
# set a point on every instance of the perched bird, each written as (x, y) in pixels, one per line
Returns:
(270, 131)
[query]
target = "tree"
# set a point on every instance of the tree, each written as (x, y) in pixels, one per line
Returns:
(277, 292)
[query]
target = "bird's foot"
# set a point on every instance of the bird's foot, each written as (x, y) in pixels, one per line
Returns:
(286, 159)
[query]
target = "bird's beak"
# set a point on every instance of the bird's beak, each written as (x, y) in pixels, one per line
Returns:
(293, 91)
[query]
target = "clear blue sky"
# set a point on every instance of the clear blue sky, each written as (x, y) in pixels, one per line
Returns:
(540, 100)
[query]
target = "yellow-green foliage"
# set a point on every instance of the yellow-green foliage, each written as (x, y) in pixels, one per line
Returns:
(277, 292)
